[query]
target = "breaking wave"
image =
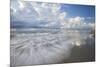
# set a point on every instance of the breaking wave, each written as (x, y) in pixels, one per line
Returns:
(44, 48)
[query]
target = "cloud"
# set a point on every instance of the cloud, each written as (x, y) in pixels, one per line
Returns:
(76, 20)
(43, 15)
(40, 14)
(34, 46)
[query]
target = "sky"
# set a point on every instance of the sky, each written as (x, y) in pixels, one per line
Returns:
(80, 10)
(37, 14)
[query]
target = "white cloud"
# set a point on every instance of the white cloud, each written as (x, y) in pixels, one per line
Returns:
(44, 14)
(47, 15)
(33, 12)
(92, 25)
(21, 4)
(76, 20)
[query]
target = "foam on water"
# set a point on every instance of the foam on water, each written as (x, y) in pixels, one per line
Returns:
(43, 48)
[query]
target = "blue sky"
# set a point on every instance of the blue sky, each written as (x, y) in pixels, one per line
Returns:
(79, 10)
(37, 14)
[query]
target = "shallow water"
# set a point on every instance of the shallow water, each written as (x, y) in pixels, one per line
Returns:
(49, 46)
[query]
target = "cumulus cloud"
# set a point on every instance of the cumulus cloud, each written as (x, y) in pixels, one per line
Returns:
(33, 12)
(76, 20)
(33, 47)
(43, 15)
